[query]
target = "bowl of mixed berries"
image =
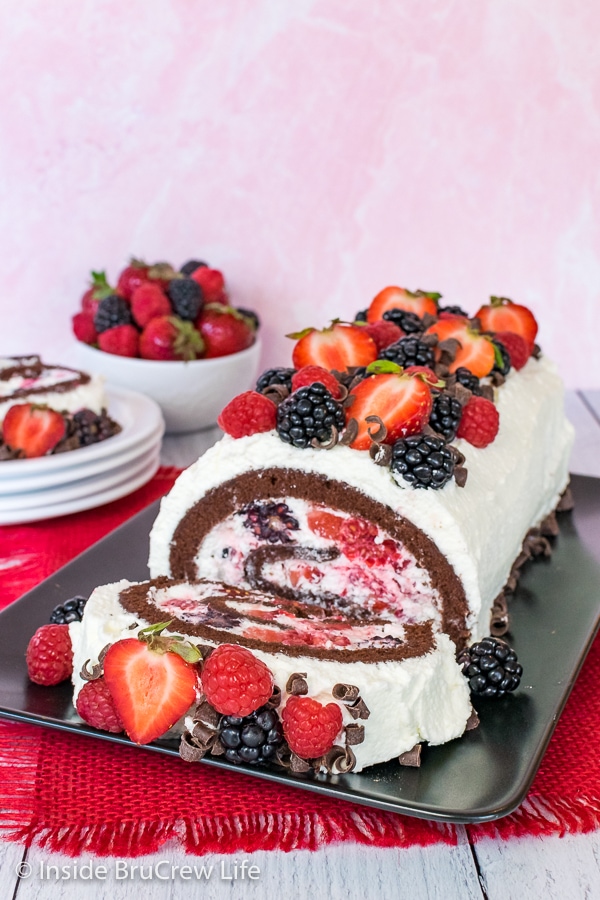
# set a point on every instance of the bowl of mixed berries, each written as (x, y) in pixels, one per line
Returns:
(173, 335)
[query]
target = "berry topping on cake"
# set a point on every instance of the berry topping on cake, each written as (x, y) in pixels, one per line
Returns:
(409, 351)
(384, 332)
(515, 345)
(152, 681)
(475, 351)
(131, 277)
(96, 706)
(169, 337)
(502, 361)
(69, 611)
(248, 413)
(191, 265)
(33, 430)
(479, 423)
(501, 314)
(468, 380)
(149, 301)
(251, 739)
(275, 376)
(99, 289)
(223, 330)
(417, 302)
(311, 374)
(338, 347)
(84, 328)
(408, 322)
(310, 417)
(112, 311)
(235, 682)
(444, 311)
(186, 297)
(270, 522)
(424, 461)
(123, 340)
(445, 415)
(401, 402)
(491, 667)
(310, 728)
(49, 655)
(212, 283)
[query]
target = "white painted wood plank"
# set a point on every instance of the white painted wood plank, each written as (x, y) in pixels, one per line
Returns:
(11, 857)
(531, 868)
(347, 872)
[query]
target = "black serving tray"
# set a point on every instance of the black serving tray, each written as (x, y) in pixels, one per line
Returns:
(555, 615)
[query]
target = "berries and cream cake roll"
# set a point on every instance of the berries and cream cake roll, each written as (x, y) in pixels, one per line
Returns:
(399, 469)
(26, 379)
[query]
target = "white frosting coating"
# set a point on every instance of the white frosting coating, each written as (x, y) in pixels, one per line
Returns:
(512, 485)
(83, 396)
(421, 699)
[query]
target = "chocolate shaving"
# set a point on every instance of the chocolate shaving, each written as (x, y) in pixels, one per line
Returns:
(448, 350)
(430, 340)
(459, 392)
(359, 709)
(566, 501)
(297, 684)
(487, 392)
(207, 714)
(460, 476)
(347, 693)
(442, 371)
(350, 432)
(91, 674)
(537, 351)
(381, 454)
(217, 749)
(133, 625)
(355, 734)
(338, 760)
(328, 444)
(342, 393)
(190, 751)
(475, 323)
(202, 734)
(275, 699)
(378, 434)
(411, 757)
(497, 379)
(277, 393)
(297, 764)
(549, 526)
(472, 721)
(499, 620)
(350, 398)
(427, 319)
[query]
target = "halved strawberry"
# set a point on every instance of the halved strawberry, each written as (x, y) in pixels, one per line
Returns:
(323, 523)
(35, 430)
(402, 402)
(150, 681)
(501, 314)
(338, 347)
(476, 351)
(418, 302)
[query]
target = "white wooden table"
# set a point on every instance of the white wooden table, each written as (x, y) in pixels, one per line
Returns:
(565, 868)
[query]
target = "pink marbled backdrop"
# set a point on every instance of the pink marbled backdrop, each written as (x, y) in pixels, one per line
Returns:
(315, 151)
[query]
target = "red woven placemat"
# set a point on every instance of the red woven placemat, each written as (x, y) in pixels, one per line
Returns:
(137, 800)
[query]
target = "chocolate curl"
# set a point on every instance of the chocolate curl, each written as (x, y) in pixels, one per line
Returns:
(217, 749)
(442, 371)
(298, 765)
(338, 760)
(349, 399)
(380, 433)
(297, 684)
(275, 699)
(487, 392)
(428, 320)
(277, 393)
(448, 350)
(350, 432)
(497, 379)
(347, 693)
(499, 620)
(459, 392)
(190, 751)
(549, 526)
(91, 674)
(472, 721)
(460, 472)
(381, 454)
(566, 501)
(355, 734)
(359, 709)
(537, 351)
(207, 714)
(326, 445)
(411, 757)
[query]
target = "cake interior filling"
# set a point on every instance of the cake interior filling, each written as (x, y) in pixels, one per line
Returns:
(309, 552)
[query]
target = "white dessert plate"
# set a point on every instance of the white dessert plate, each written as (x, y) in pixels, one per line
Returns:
(486, 774)
(129, 483)
(139, 417)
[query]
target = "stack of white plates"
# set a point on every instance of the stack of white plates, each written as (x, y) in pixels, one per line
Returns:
(32, 489)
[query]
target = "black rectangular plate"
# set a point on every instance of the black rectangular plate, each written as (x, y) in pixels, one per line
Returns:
(486, 774)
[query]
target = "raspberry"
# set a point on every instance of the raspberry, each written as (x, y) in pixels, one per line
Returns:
(516, 347)
(49, 655)
(384, 333)
(235, 681)
(357, 541)
(479, 423)
(96, 706)
(248, 413)
(309, 727)
(83, 328)
(308, 375)
(123, 340)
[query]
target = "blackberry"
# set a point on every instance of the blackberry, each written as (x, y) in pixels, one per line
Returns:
(270, 522)
(423, 460)
(453, 310)
(275, 376)
(112, 311)
(90, 428)
(191, 266)
(252, 739)
(361, 316)
(502, 364)
(445, 416)
(251, 316)
(467, 379)
(409, 351)
(409, 322)
(491, 667)
(308, 414)
(186, 298)
(69, 611)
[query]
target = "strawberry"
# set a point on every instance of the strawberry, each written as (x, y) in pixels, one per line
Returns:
(248, 413)
(212, 283)
(516, 347)
(325, 524)
(418, 302)
(84, 328)
(168, 337)
(476, 351)
(501, 314)
(224, 330)
(148, 301)
(99, 289)
(35, 430)
(402, 402)
(339, 347)
(310, 374)
(122, 340)
(383, 333)
(427, 374)
(152, 681)
(132, 277)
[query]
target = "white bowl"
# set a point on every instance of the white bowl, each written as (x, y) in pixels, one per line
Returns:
(190, 394)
